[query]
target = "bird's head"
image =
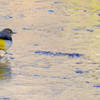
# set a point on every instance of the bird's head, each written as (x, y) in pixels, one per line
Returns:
(9, 31)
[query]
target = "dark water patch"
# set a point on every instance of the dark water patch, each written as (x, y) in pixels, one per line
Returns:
(98, 20)
(89, 30)
(6, 17)
(35, 75)
(61, 28)
(93, 63)
(79, 71)
(10, 17)
(64, 78)
(86, 71)
(10, 54)
(11, 58)
(27, 66)
(26, 29)
(46, 67)
(97, 25)
(49, 53)
(75, 29)
(51, 11)
(15, 74)
(57, 2)
(96, 86)
(79, 28)
(87, 82)
(85, 10)
(78, 62)
(57, 77)
(4, 98)
(7, 73)
(51, 77)
(98, 14)
(36, 45)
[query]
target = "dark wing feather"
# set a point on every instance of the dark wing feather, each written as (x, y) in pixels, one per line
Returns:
(5, 36)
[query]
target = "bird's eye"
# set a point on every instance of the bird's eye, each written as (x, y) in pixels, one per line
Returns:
(10, 31)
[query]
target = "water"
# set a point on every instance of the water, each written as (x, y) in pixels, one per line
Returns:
(55, 53)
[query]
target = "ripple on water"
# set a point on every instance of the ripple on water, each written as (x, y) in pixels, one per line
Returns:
(4, 98)
(80, 72)
(96, 86)
(89, 30)
(98, 14)
(10, 54)
(10, 17)
(85, 10)
(51, 11)
(26, 29)
(5, 71)
(11, 58)
(36, 45)
(58, 54)
(78, 62)
(35, 75)
(57, 2)
(97, 25)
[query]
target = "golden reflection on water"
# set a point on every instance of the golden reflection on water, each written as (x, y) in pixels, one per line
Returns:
(5, 70)
(86, 3)
(84, 16)
(44, 76)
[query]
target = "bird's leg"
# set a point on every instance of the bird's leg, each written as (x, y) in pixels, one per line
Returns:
(0, 56)
(6, 52)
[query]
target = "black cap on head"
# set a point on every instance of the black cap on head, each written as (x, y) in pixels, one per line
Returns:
(9, 31)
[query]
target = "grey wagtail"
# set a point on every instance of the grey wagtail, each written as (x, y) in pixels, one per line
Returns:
(6, 39)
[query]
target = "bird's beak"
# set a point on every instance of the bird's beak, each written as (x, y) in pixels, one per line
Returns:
(14, 32)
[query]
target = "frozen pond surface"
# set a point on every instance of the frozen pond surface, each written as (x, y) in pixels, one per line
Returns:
(55, 53)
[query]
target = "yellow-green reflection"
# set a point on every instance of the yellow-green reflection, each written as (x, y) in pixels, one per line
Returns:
(87, 3)
(5, 70)
(84, 15)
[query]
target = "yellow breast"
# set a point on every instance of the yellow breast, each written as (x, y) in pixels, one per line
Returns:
(2, 44)
(5, 44)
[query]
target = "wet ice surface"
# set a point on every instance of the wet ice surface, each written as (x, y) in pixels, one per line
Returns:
(55, 55)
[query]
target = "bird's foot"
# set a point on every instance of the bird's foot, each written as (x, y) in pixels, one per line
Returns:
(6, 52)
(1, 56)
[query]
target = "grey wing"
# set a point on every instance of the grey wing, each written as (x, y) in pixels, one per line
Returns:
(3, 35)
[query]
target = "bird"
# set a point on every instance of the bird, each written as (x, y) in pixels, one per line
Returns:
(6, 39)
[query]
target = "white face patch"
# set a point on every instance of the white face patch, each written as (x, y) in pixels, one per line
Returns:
(8, 44)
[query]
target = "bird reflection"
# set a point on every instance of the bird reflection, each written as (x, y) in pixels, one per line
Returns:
(5, 70)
